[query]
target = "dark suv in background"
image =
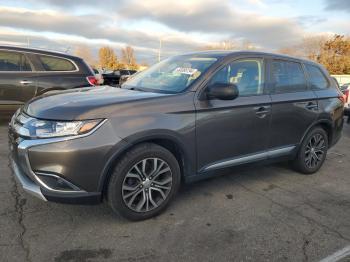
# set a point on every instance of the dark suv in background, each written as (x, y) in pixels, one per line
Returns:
(117, 77)
(26, 73)
(185, 118)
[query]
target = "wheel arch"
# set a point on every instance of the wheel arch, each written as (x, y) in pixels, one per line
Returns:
(326, 125)
(166, 140)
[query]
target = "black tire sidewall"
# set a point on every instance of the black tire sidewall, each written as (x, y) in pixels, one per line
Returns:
(125, 164)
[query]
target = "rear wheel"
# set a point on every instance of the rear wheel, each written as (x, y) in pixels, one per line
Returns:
(312, 152)
(143, 182)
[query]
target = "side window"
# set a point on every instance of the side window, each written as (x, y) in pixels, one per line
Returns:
(25, 64)
(316, 77)
(13, 61)
(288, 77)
(51, 63)
(246, 74)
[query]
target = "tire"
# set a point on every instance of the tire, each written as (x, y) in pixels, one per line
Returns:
(136, 190)
(312, 152)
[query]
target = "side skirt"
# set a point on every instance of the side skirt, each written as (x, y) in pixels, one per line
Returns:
(274, 155)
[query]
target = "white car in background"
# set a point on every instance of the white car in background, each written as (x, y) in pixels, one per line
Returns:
(346, 91)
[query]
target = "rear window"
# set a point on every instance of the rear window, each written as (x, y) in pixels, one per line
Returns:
(316, 77)
(288, 77)
(13, 61)
(51, 63)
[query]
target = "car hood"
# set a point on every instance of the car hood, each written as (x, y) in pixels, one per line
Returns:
(84, 103)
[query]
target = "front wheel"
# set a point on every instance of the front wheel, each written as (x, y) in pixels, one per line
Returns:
(312, 152)
(143, 182)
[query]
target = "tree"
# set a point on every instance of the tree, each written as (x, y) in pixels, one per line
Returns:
(128, 57)
(247, 45)
(335, 55)
(108, 58)
(85, 52)
(333, 52)
(310, 47)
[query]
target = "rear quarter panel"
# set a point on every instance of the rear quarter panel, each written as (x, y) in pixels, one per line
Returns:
(331, 109)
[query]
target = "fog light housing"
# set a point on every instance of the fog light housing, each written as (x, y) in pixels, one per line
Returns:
(56, 183)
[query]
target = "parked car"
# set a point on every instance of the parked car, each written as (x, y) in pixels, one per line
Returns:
(113, 78)
(346, 91)
(184, 119)
(125, 78)
(26, 73)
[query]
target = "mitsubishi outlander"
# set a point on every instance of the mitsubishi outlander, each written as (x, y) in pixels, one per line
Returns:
(183, 119)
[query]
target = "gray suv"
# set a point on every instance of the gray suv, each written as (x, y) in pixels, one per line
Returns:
(27, 72)
(184, 119)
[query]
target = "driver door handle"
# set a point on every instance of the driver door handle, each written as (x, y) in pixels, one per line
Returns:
(25, 82)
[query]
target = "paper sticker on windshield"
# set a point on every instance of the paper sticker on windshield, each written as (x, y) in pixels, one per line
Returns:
(185, 70)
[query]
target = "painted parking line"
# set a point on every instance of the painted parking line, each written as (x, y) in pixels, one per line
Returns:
(337, 255)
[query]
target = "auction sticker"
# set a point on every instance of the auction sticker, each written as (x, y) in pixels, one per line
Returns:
(185, 70)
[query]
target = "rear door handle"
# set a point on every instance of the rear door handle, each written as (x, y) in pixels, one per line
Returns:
(311, 105)
(25, 82)
(261, 111)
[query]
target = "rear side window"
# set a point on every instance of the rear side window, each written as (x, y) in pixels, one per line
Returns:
(288, 77)
(316, 77)
(13, 61)
(51, 63)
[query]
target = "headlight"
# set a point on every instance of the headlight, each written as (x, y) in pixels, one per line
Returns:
(36, 128)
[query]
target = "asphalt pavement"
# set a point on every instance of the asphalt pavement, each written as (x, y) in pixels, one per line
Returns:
(258, 213)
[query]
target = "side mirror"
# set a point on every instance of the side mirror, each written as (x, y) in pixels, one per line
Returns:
(222, 91)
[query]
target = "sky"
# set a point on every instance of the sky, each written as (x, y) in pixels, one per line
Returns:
(181, 25)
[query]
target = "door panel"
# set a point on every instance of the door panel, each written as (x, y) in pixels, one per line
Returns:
(294, 107)
(17, 81)
(292, 114)
(230, 129)
(16, 88)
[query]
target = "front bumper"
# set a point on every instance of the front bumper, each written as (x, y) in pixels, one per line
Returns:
(32, 184)
(28, 185)
(66, 169)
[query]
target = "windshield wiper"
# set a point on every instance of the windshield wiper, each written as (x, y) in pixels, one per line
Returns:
(135, 89)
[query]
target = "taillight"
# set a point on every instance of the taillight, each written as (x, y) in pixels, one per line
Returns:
(92, 80)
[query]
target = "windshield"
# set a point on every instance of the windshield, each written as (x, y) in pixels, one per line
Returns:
(172, 75)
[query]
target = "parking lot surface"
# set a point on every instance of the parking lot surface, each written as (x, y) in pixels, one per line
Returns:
(265, 213)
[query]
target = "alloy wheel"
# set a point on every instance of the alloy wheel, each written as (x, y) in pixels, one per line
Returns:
(147, 184)
(315, 150)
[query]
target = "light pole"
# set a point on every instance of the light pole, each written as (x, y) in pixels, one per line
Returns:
(161, 39)
(160, 47)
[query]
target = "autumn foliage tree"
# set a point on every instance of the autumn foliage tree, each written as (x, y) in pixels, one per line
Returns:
(128, 58)
(333, 52)
(335, 55)
(108, 58)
